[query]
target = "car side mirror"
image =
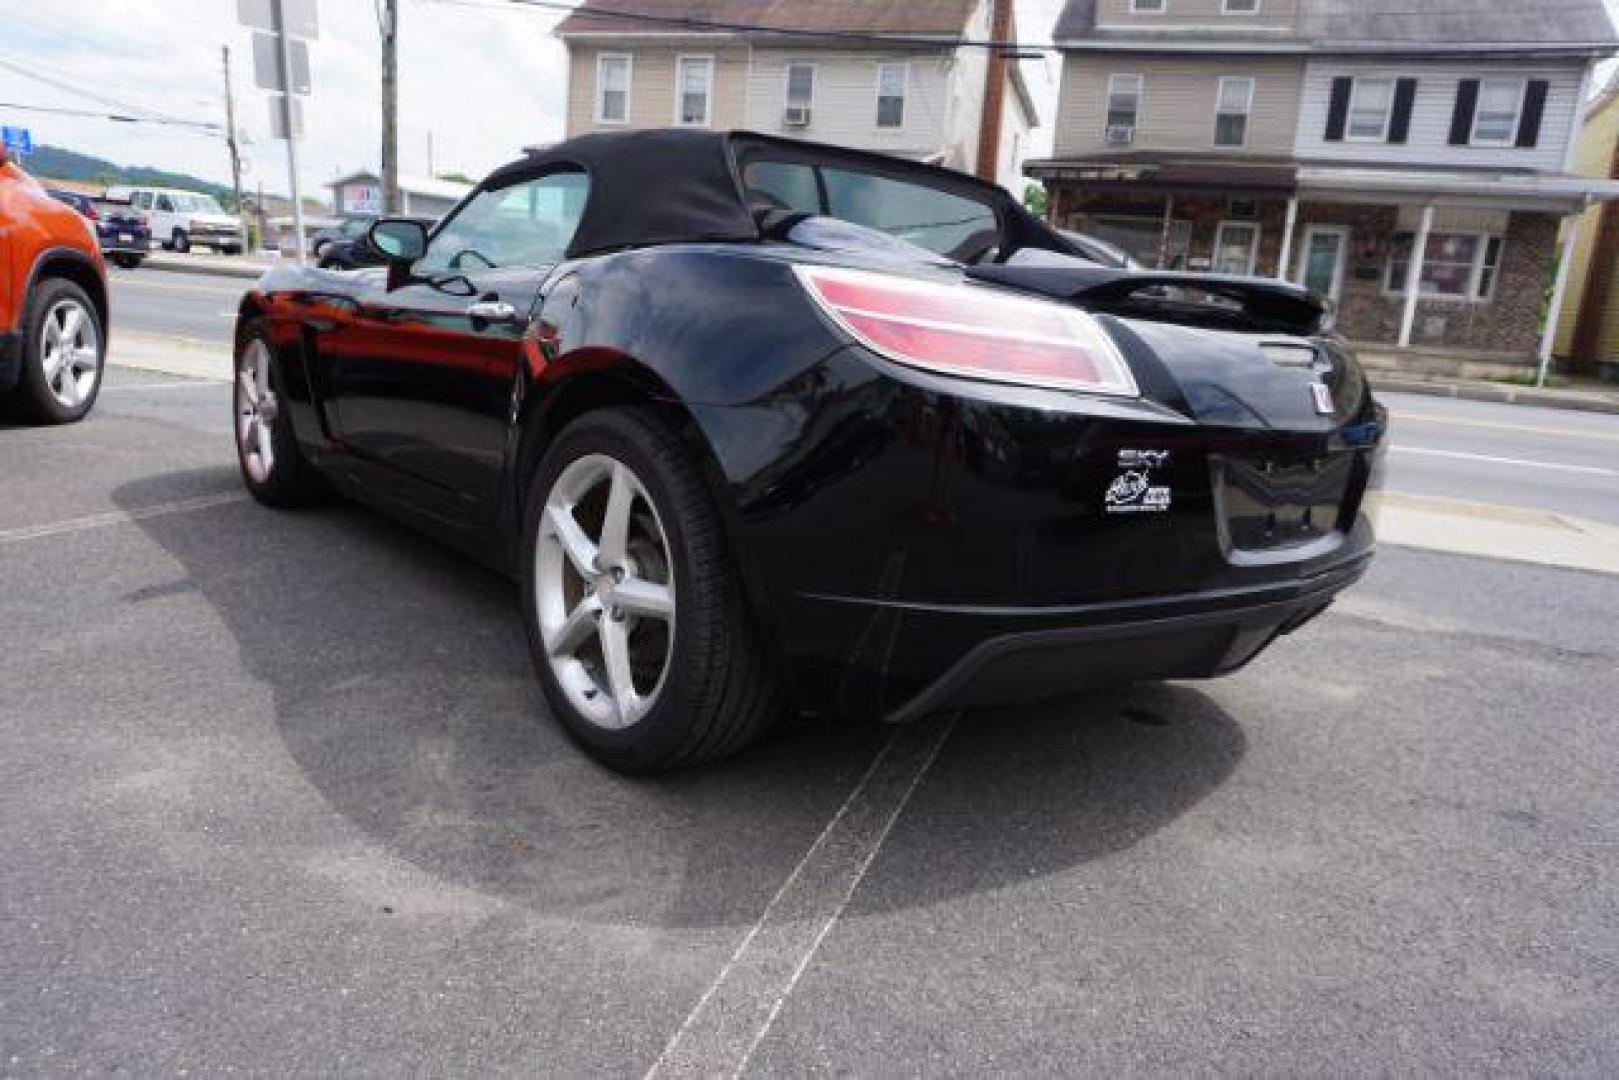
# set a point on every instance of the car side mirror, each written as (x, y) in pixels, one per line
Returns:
(400, 242)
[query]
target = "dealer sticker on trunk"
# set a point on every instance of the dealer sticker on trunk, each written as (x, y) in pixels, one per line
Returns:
(1133, 490)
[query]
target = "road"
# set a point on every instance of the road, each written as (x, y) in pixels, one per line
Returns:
(200, 307)
(279, 796)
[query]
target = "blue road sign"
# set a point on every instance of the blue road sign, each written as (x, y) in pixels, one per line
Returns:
(19, 141)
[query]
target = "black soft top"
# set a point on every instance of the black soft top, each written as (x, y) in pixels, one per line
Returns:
(672, 185)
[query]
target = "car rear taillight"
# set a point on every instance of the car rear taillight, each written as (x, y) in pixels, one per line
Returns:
(971, 331)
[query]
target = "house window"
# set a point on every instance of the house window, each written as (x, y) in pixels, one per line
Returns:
(1148, 7)
(891, 80)
(1500, 102)
(800, 85)
(1233, 102)
(613, 73)
(1236, 247)
(1370, 107)
(694, 77)
(1123, 100)
(1239, 7)
(1456, 266)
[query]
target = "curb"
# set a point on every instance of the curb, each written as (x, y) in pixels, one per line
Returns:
(1505, 395)
(246, 271)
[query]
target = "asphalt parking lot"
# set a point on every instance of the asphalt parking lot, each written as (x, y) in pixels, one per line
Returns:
(279, 797)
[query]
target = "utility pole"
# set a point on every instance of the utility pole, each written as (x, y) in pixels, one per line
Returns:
(230, 141)
(388, 24)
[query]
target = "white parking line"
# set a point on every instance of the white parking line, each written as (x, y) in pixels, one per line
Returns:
(734, 1014)
(1459, 455)
(116, 517)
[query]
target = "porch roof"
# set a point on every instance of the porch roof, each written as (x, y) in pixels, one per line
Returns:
(1556, 193)
(1245, 175)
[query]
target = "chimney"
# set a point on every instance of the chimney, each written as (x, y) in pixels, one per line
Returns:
(989, 124)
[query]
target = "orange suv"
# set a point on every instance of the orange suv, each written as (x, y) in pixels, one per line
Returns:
(53, 303)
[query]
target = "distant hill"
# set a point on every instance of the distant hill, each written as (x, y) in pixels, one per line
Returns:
(59, 164)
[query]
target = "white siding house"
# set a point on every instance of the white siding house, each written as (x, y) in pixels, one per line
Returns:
(1437, 86)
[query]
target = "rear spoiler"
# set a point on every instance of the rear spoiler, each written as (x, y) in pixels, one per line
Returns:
(1213, 301)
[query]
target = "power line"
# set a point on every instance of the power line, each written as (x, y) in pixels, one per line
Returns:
(151, 115)
(192, 125)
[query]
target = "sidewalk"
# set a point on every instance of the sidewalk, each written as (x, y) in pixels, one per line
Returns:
(249, 267)
(1592, 397)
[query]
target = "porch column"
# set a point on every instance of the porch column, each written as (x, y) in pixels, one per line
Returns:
(1413, 276)
(1554, 310)
(1163, 239)
(1288, 226)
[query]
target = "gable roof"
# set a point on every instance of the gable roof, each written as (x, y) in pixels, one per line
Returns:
(926, 18)
(1385, 26)
(1490, 23)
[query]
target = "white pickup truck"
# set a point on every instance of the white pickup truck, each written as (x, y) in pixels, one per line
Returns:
(180, 219)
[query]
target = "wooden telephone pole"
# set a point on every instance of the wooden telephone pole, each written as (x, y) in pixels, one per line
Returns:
(388, 25)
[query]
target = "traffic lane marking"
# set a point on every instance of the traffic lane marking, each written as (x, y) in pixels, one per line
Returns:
(1492, 425)
(1590, 470)
(735, 1013)
(118, 517)
(166, 286)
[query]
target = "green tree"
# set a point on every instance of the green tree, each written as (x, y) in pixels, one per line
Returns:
(1034, 198)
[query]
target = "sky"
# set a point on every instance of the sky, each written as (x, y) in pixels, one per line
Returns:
(482, 77)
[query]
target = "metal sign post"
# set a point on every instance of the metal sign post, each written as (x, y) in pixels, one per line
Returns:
(292, 136)
(281, 63)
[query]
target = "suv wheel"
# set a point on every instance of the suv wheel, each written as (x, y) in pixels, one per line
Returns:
(63, 350)
(636, 620)
(180, 241)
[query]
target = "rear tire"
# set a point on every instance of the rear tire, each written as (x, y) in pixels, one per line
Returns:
(180, 242)
(128, 262)
(272, 463)
(64, 353)
(692, 682)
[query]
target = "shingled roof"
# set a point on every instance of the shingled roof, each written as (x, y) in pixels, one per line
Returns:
(1439, 25)
(929, 18)
(1458, 22)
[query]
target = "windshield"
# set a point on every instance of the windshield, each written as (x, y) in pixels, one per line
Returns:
(197, 204)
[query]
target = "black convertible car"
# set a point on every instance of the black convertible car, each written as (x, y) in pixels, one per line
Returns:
(763, 426)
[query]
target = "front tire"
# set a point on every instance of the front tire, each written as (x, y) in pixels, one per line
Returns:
(635, 615)
(180, 242)
(272, 463)
(64, 351)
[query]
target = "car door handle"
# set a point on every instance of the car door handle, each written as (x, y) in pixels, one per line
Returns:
(495, 311)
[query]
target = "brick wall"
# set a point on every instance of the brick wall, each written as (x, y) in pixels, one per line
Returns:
(1508, 324)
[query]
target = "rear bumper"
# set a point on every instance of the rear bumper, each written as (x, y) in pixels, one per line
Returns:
(10, 359)
(1024, 656)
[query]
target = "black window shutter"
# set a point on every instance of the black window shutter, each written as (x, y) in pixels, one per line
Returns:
(1534, 107)
(1338, 111)
(1405, 96)
(1461, 122)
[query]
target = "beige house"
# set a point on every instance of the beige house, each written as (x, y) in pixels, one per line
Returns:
(870, 74)
(1409, 161)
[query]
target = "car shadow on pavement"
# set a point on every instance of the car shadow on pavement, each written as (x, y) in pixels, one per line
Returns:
(398, 678)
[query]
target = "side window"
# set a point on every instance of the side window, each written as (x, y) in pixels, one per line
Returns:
(141, 200)
(165, 205)
(530, 223)
(891, 84)
(782, 185)
(613, 74)
(950, 225)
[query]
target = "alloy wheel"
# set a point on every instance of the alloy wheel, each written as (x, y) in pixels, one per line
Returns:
(70, 349)
(605, 591)
(256, 411)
